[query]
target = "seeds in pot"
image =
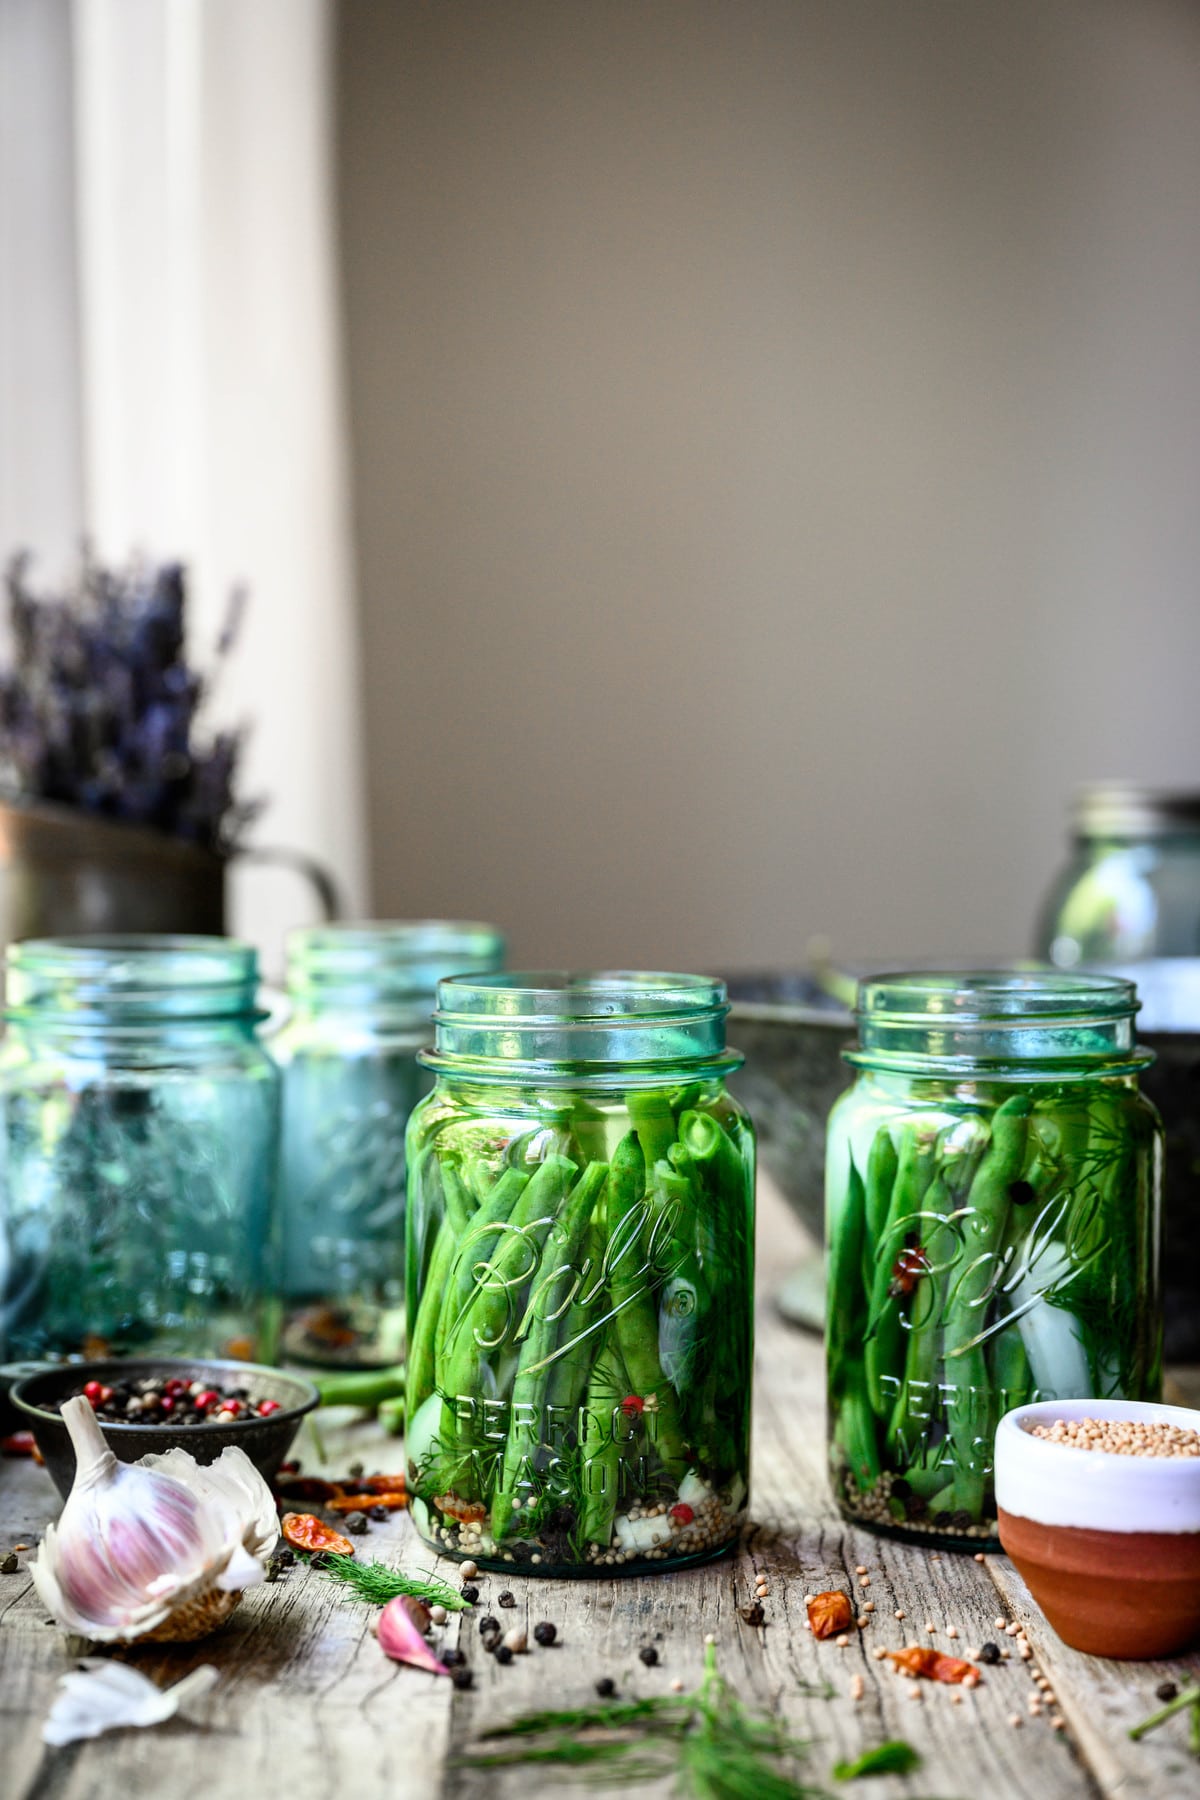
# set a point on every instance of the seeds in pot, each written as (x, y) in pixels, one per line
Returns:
(1122, 1437)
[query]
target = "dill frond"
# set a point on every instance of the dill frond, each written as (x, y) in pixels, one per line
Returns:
(376, 1583)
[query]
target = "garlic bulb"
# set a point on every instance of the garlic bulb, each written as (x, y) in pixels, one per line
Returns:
(160, 1548)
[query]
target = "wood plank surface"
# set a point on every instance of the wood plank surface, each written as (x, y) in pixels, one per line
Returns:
(307, 1707)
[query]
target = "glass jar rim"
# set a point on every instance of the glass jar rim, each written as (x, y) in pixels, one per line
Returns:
(391, 958)
(982, 997)
(126, 977)
(555, 1024)
(963, 1021)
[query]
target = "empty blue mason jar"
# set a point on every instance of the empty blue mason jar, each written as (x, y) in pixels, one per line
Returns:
(361, 998)
(138, 1129)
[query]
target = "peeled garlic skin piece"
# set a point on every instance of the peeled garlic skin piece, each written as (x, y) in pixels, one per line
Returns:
(137, 1542)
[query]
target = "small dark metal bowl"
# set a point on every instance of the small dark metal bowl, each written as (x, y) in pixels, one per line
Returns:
(265, 1441)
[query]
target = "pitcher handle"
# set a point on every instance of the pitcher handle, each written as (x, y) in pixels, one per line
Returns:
(323, 884)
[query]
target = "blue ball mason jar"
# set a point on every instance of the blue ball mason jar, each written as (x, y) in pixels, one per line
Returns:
(580, 1273)
(993, 1185)
(138, 1130)
(361, 998)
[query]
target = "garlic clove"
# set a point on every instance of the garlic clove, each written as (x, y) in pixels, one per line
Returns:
(161, 1546)
(111, 1695)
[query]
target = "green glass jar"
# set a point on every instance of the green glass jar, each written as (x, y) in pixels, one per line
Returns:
(1131, 889)
(580, 1275)
(139, 1119)
(992, 1213)
(361, 998)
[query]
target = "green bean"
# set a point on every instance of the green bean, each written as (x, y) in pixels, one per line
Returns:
(882, 1163)
(460, 1204)
(422, 1343)
(474, 1248)
(712, 1147)
(571, 1367)
(882, 1347)
(965, 1370)
(542, 1330)
(635, 1323)
(1011, 1380)
(650, 1115)
(600, 1453)
(483, 1324)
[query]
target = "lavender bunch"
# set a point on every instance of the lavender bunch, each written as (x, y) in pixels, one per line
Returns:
(100, 709)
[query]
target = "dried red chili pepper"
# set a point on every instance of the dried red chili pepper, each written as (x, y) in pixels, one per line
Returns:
(347, 1503)
(378, 1484)
(907, 1270)
(308, 1487)
(304, 1532)
(829, 1613)
(467, 1512)
(19, 1444)
(919, 1659)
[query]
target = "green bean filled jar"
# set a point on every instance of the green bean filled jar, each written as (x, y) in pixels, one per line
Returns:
(139, 1120)
(992, 1209)
(361, 998)
(580, 1269)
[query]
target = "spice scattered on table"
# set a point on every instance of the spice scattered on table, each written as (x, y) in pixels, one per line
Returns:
(829, 1613)
(304, 1531)
(1122, 1437)
(545, 1633)
(8, 1563)
(649, 1655)
(920, 1659)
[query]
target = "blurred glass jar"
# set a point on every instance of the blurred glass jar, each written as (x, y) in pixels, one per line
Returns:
(1132, 887)
(362, 996)
(138, 1124)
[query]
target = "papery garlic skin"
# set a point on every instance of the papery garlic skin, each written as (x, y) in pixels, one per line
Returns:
(161, 1546)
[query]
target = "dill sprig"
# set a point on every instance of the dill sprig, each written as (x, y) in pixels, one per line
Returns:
(376, 1583)
(715, 1748)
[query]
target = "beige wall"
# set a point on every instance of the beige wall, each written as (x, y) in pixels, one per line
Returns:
(777, 440)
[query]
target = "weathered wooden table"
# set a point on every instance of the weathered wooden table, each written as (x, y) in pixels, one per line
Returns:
(307, 1706)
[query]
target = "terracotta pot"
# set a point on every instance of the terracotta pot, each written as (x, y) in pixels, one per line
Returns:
(65, 873)
(1108, 1545)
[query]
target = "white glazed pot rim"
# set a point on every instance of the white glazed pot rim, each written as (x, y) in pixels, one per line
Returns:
(1057, 1484)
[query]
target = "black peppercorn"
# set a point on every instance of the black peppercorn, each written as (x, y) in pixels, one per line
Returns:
(8, 1563)
(1166, 1690)
(462, 1678)
(507, 1599)
(649, 1655)
(380, 1513)
(356, 1524)
(988, 1653)
(606, 1687)
(487, 1623)
(545, 1633)
(753, 1615)
(470, 1593)
(286, 1557)
(504, 1654)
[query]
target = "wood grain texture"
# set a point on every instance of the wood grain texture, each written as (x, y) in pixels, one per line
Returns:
(308, 1708)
